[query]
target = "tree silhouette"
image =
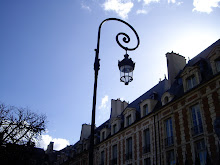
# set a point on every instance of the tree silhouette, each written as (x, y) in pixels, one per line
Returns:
(20, 125)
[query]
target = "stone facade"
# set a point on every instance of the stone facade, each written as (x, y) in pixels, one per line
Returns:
(172, 123)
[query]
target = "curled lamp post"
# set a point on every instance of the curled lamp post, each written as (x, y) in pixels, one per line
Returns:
(126, 67)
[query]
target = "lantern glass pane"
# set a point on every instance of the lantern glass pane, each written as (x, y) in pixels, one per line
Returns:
(126, 74)
(126, 68)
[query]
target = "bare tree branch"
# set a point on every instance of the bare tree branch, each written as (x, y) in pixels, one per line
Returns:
(20, 125)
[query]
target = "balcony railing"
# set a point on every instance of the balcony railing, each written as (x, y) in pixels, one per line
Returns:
(114, 161)
(169, 141)
(196, 130)
(129, 156)
(146, 148)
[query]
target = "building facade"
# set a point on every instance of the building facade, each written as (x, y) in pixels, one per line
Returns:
(175, 122)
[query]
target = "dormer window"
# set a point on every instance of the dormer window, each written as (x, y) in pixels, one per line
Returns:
(114, 128)
(147, 106)
(115, 125)
(191, 82)
(191, 77)
(128, 119)
(145, 110)
(103, 135)
(166, 99)
(129, 116)
(214, 57)
(217, 65)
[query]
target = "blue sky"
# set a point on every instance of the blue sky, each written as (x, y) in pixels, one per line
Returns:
(47, 53)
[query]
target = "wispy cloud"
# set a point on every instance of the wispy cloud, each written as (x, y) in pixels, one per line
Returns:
(103, 112)
(59, 143)
(104, 102)
(85, 7)
(147, 2)
(121, 7)
(171, 1)
(205, 5)
(141, 11)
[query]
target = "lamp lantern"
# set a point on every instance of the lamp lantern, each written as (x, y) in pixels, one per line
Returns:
(126, 67)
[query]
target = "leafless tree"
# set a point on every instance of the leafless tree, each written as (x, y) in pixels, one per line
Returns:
(20, 125)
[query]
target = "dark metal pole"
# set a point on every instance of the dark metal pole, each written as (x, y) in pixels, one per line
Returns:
(126, 39)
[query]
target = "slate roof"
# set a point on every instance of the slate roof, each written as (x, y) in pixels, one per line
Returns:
(204, 53)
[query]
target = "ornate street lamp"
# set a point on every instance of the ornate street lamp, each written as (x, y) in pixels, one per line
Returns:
(126, 67)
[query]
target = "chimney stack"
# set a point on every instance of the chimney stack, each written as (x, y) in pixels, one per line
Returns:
(175, 63)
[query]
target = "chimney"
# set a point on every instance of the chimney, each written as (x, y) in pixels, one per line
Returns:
(50, 148)
(175, 63)
(117, 107)
(85, 132)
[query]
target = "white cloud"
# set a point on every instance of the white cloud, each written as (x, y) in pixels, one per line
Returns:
(85, 7)
(205, 5)
(121, 7)
(146, 2)
(141, 11)
(58, 142)
(103, 112)
(104, 102)
(171, 1)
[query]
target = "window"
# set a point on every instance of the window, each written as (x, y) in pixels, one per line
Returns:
(191, 82)
(170, 158)
(103, 135)
(169, 132)
(201, 152)
(102, 158)
(217, 65)
(147, 161)
(197, 127)
(146, 141)
(129, 148)
(114, 153)
(114, 128)
(145, 110)
(166, 100)
(128, 120)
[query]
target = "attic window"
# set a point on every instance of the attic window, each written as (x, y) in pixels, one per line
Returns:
(145, 110)
(103, 135)
(166, 100)
(128, 118)
(217, 65)
(114, 128)
(191, 82)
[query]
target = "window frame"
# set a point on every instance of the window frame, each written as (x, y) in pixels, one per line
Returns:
(170, 160)
(114, 154)
(146, 141)
(196, 120)
(169, 139)
(129, 148)
(201, 152)
(102, 158)
(191, 82)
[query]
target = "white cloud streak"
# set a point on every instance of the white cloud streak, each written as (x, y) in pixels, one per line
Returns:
(121, 7)
(85, 7)
(59, 143)
(171, 1)
(205, 5)
(141, 11)
(104, 102)
(147, 2)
